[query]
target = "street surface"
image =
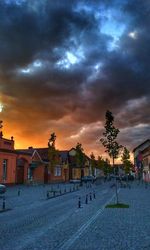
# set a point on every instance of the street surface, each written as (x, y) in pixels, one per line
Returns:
(58, 223)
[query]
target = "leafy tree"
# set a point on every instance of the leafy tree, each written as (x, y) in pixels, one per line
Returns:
(104, 165)
(93, 163)
(125, 158)
(110, 135)
(80, 158)
(53, 155)
(109, 140)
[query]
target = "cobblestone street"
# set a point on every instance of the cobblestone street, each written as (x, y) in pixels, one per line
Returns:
(35, 222)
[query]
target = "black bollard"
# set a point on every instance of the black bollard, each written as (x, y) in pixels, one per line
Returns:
(90, 197)
(19, 192)
(94, 195)
(74, 188)
(47, 194)
(79, 202)
(3, 207)
(86, 199)
(60, 191)
(65, 190)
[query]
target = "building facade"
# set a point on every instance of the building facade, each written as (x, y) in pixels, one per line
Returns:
(142, 159)
(13, 166)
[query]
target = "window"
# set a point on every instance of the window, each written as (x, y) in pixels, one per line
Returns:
(145, 162)
(30, 174)
(5, 163)
(57, 171)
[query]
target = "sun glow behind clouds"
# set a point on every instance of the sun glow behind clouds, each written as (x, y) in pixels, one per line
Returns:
(1, 107)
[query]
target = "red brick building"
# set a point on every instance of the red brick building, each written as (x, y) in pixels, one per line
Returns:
(13, 166)
(39, 171)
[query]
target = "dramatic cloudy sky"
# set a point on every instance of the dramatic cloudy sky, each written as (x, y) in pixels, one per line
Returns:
(63, 63)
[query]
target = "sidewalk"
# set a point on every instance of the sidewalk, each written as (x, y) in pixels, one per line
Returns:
(121, 229)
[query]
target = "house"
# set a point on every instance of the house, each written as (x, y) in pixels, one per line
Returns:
(13, 166)
(75, 171)
(39, 170)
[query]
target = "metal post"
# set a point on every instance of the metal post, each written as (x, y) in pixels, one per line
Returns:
(86, 199)
(94, 195)
(4, 205)
(90, 197)
(79, 202)
(47, 194)
(19, 192)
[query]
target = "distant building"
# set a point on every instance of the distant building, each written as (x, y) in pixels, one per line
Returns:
(142, 158)
(75, 171)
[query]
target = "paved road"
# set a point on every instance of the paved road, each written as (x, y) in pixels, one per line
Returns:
(59, 224)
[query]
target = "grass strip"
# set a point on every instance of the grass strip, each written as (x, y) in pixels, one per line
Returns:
(117, 205)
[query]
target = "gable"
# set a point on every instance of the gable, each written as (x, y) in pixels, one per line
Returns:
(72, 152)
(36, 156)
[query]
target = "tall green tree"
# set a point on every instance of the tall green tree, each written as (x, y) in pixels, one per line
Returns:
(104, 165)
(125, 158)
(80, 158)
(109, 141)
(93, 163)
(53, 155)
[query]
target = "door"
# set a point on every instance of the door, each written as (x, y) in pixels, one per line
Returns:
(20, 175)
(46, 174)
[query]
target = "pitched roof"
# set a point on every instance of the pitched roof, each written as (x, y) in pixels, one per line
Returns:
(148, 140)
(43, 152)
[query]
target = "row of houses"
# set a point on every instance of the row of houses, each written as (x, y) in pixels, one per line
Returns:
(32, 165)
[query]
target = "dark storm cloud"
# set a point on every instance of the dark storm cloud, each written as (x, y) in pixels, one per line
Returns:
(58, 59)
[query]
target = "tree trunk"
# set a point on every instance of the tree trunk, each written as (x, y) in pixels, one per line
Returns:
(116, 186)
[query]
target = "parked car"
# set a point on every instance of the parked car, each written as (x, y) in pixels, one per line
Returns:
(128, 177)
(2, 189)
(89, 178)
(131, 177)
(75, 181)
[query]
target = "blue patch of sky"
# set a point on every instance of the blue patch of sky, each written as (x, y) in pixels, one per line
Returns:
(17, 2)
(113, 25)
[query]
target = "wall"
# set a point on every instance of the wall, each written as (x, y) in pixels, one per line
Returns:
(38, 174)
(11, 167)
(6, 144)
